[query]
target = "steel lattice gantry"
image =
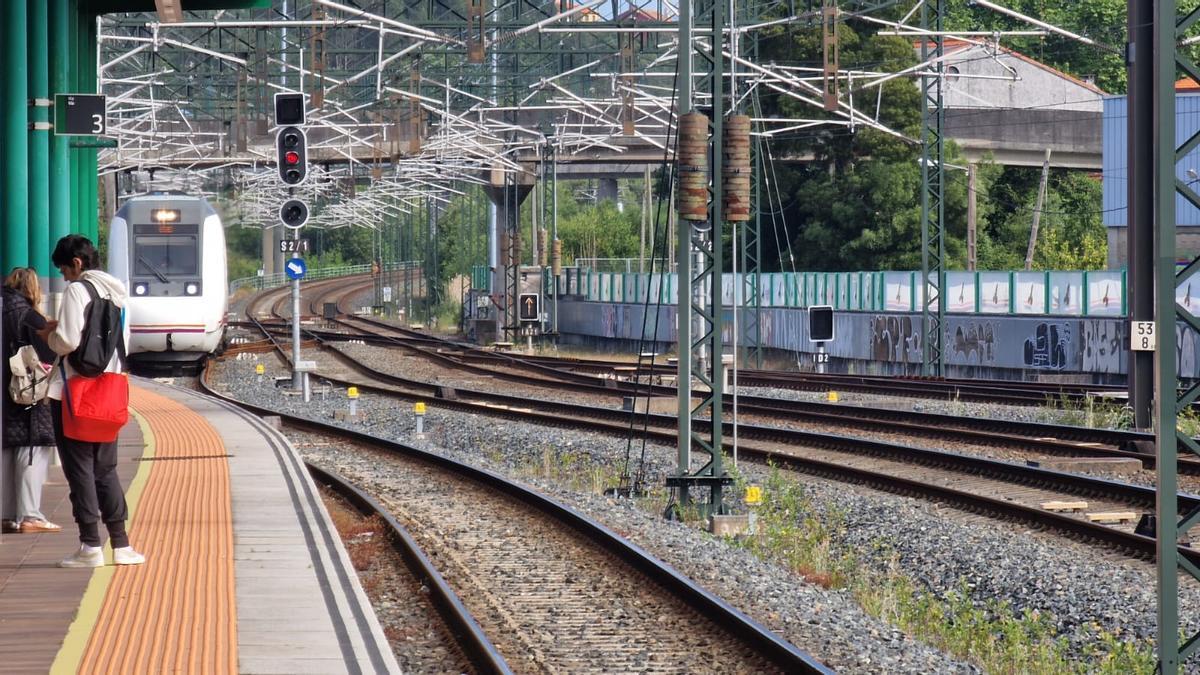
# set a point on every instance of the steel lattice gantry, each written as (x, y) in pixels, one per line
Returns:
(1171, 396)
(933, 248)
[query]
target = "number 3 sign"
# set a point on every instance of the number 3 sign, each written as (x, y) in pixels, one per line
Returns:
(79, 115)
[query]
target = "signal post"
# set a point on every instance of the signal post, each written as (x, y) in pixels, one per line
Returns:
(291, 146)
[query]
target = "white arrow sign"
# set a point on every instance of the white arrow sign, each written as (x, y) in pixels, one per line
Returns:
(296, 269)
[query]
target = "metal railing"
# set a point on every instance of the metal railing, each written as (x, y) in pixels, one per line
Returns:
(621, 265)
(272, 280)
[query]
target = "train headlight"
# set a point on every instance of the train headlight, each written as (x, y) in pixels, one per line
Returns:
(140, 289)
(192, 289)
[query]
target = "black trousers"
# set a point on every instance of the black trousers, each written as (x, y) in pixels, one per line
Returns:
(96, 494)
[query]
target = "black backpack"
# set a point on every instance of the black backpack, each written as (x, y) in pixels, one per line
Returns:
(103, 334)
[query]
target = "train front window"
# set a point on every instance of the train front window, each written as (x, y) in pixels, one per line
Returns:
(165, 256)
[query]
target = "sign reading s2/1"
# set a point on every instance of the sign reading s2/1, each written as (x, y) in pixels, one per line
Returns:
(293, 246)
(79, 115)
(1143, 338)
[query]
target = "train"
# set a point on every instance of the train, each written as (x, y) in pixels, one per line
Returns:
(169, 251)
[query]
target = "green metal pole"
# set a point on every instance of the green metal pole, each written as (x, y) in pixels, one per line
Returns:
(39, 140)
(1166, 382)
(87, 53)
(717, 242)
(683, 318)
(76, 163)
(15, 185)
(60, 152)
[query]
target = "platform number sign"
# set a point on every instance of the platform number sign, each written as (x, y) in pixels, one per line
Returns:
(1144, 338)
(79, 115)
(529, 306)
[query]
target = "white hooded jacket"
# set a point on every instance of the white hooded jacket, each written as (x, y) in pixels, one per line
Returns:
(72, 315)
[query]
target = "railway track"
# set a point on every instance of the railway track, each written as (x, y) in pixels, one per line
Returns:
(1023, 437)
(1001, 489)
(592, 602)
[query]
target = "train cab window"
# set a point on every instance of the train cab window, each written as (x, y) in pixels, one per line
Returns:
(166, 255)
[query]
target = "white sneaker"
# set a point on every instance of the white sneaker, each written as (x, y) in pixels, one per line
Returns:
(86, 556)
(127, 556)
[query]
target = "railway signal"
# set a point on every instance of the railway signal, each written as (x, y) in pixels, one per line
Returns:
(529, 307)
(293, 214)
(289, 110)
(820, 323)
(292, 155)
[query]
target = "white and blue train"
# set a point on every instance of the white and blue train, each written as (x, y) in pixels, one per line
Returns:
(169, 250)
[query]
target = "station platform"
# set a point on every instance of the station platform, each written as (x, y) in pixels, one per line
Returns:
(244, 570)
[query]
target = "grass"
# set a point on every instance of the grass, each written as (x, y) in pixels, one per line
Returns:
(1091, 412)
(989, 634)
(792, 532)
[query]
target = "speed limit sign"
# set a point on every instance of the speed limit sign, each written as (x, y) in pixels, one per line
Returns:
(1143, 338)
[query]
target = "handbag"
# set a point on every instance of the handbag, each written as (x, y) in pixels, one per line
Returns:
(96, 407)
(29, 382)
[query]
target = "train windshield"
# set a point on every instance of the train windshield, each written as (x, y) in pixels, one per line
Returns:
(166, 255)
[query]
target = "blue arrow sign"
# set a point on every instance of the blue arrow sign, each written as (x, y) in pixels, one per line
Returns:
(296, 268)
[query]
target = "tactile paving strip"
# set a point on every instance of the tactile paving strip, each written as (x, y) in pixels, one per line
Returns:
(177, 612)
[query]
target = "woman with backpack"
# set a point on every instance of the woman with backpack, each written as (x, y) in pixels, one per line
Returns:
(28, 429)
(90, 466)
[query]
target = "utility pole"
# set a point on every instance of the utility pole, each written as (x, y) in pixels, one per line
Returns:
(645, 215)
(972, 252)
(1139, 219)
(1037, 210)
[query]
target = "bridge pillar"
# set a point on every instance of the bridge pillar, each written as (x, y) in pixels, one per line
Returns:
(507, 190)
(269, 250)
(608, 190)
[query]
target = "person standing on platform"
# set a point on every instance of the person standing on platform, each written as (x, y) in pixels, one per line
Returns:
(28, 429)
(90, 467)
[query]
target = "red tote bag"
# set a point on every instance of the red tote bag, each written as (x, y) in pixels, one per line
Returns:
(96, 407)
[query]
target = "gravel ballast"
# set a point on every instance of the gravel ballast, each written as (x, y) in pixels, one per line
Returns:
(941, 548)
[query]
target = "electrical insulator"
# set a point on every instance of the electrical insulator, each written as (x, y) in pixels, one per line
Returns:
(556, 257)
(691, 156)
(735, 169)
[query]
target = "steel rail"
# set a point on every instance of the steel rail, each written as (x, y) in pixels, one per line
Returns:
(773, 647)
(1061, 440)
(471, 638)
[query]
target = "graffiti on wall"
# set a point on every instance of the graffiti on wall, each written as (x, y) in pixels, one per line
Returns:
(1185, 350)
(974, 341)
(895, 338)
(1102, 348)
(1047, 347)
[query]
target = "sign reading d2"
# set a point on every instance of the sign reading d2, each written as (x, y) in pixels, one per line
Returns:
(79, 115)
(529, 307)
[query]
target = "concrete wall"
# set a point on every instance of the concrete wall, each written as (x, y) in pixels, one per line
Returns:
(1011, 80)
(1089, 349)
